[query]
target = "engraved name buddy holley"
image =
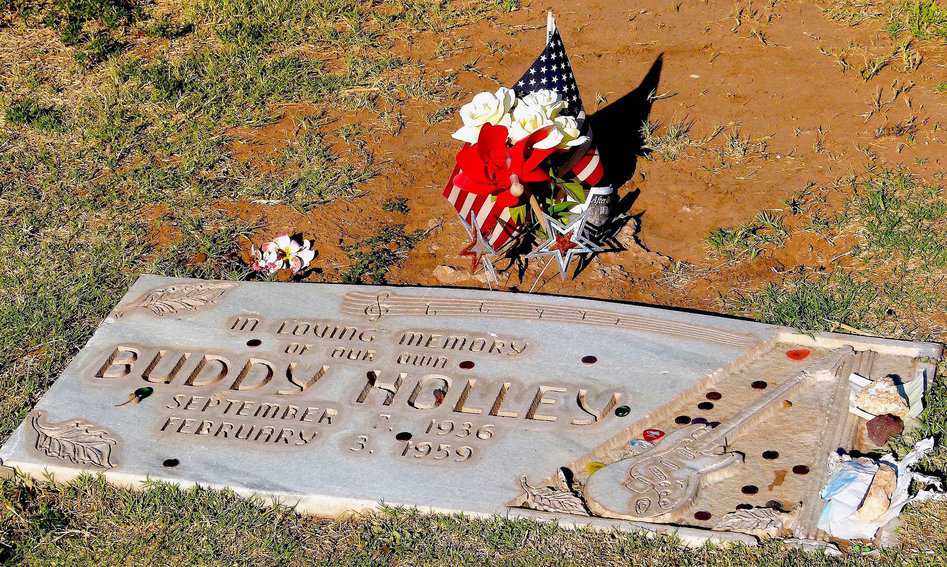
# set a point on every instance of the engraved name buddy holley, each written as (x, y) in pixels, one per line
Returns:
(214, 404)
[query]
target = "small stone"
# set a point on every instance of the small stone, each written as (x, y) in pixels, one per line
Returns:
(883, 427)
(882, 397)
(449, 275)
(878, 498)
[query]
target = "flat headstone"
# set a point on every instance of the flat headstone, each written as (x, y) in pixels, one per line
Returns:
(338, 398)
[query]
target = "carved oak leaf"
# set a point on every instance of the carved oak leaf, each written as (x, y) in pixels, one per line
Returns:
(173, 299)
(74, 441)
(752, 519)
(548, 499)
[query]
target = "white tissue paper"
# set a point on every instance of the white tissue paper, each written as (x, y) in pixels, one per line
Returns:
(849, 484)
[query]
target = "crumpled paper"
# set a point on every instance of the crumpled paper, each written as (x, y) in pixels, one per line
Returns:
(849, 484)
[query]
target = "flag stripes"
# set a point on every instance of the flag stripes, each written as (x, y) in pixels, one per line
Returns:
(497, 227)
(588, 170)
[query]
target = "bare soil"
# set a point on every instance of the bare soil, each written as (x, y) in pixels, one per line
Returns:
(764, 73)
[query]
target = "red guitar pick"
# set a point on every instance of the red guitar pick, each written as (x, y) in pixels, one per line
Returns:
(798, 354)
(652, 435)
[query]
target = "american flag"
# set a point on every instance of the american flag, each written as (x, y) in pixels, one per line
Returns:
(551, 71)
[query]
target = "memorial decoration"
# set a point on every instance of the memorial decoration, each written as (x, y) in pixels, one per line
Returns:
(284, 252)
(565, 241)
(863, 494)
(528, 154)
(338, 398)
(479, 250)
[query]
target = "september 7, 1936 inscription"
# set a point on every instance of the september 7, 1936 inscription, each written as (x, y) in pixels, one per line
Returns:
(339, 398)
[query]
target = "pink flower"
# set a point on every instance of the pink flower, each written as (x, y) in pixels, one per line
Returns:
(280, 253)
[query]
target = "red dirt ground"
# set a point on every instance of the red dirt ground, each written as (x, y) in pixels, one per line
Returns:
(780, 89)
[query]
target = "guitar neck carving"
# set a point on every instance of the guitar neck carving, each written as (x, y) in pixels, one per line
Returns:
(666, 478)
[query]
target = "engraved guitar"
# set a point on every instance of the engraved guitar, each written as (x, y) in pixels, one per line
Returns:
(667, 477)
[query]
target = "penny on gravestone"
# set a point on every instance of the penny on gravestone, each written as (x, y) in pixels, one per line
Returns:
(337, 398)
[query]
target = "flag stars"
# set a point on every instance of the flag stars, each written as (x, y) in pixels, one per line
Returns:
(551, 70)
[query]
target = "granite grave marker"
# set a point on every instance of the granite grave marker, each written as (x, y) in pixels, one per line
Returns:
(337, 398)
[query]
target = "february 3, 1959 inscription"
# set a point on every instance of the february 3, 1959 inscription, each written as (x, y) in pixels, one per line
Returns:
(338, 398)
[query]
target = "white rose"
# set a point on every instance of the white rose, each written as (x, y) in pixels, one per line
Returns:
(526, 120)
(564, 134)
(549, 101)
(485, 108)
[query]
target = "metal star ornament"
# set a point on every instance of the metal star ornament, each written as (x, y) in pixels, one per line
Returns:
(565, 241)
(478, 249)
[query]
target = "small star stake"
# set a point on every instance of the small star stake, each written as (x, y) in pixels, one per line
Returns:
(565, 241)
(478, 249)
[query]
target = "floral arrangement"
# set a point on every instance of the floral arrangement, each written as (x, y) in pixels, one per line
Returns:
(511, 144)
(282, 253)
(529, 169)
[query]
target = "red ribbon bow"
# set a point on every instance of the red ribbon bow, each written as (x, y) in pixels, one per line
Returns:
(491, 167)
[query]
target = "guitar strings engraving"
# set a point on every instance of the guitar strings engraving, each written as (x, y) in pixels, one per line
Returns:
(376, 306)
(666, 478)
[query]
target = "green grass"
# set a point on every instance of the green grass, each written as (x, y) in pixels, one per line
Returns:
(374, 256)
(895, 214)
(28, 111)
(670, 145)
(817, 303)
(93, 27)
(747, 241)
(167, 27)
(208, 247)
(313, 173)
(98, 48)
(397, 205)
(921, 19)
(899, 224)
(89, 522)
